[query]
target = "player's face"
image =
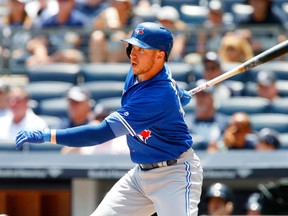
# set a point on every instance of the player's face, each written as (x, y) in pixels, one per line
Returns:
(144, 62)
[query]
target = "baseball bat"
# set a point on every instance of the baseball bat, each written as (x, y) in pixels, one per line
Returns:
(268, 55)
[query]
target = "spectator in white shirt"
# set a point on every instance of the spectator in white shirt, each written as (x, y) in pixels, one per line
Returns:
(20, 116)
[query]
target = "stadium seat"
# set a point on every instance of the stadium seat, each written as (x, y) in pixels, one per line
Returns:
(52, 121)
(110, 104)
(249, 105)
(276, 121)
(279, 105)
(242, 77)
(104, 72)
(283, 137)
(63, 72)
(282, 87)
(53, 107)
(280, 68)
(39, 91)
(104, 89)
(181, 71)
(193, 14)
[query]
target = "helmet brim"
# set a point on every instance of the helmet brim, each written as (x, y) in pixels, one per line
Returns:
(138, 43)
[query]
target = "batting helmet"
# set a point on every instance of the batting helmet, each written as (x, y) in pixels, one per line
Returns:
(219, 190)
(150, 35)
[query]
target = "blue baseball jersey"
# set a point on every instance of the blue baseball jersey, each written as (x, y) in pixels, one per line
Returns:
(153, 119)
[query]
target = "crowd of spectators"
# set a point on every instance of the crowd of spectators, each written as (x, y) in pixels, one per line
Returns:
(32, 33)
(93, 32)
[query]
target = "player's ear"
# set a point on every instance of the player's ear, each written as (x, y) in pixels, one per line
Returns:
(161, 55)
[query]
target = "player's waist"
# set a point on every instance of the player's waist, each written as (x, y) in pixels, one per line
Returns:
(150, 166)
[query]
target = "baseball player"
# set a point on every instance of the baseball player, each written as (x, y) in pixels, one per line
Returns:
(167, 177)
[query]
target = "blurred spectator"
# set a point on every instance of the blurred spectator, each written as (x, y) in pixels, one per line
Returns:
(266, 85)
(268, 140)
(13, 29)
(169, 17)
(219, 199)
(39, 10)
(212, 69)
(209, 40)
(79, 108)
(91, 8)
(115, 146)
(253, 204)
(21, 115)
(235, 48)
(238, 135)
(206, 121)
(107, 47)
(17, 16)
(3, 98)
(263, 13)
(65, 44)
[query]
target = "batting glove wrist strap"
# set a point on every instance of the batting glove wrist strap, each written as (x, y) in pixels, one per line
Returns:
(46, 135)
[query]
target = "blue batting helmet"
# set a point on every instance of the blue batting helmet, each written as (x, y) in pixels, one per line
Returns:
(219, 190)
(150, 35)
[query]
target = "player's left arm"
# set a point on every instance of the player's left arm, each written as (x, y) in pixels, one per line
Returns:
(86, 135)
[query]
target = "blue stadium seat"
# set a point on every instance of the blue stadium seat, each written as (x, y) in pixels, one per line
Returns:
(39, 91)
(63, 72)
(242, 77)
(282, 87)
(103, 71)
(181, 71)
(280, 69)
(250, 105)
(193, 14)
(53, 107)
(283, 137)
(104, 89)
(279, 105)
(110, 104)
(52, 121)
(276, 121)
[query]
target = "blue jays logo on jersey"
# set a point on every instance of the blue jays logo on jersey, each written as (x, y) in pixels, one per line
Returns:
(144, 135)
(139, 30)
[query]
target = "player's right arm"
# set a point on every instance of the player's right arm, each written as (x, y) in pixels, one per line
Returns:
(87, 135)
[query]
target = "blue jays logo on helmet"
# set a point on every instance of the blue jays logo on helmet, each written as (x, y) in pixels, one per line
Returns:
(153, 36)
(139, 30)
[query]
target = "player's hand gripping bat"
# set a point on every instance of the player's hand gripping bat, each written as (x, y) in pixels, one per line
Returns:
(272, 53)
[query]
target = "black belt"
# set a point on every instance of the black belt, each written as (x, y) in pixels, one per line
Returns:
(157, 165)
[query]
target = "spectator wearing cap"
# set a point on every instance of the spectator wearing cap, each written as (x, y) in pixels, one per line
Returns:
(268, 140)
(219, 199)
(80, 112)
(266, 85)
(169, 17)
(205, 121)
(253, 205)
(79, 108)
(212, 68)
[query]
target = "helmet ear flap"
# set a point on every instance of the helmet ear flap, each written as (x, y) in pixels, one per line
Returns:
(128, 50)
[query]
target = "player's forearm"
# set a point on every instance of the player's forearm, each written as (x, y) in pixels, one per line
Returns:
(87, 135)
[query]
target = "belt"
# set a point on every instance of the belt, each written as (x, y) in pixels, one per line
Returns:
(157, 165)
